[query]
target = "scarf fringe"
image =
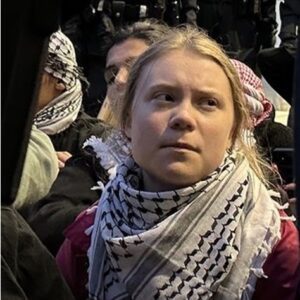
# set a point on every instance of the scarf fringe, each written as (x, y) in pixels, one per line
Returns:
(100, 186)
(274, 194)
(89, 230)
(111, 152)
(259, 272)
(288, 218)
(273, 234)
(265, 246)
(284, 207)
(250, 290)
(102, 152)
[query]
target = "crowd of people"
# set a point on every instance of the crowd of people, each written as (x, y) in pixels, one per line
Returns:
(171, 192)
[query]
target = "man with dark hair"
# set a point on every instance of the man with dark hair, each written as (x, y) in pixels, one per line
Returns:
(128, 44)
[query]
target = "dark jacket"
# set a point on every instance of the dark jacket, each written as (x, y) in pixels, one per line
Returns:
(28, 269)
(290, 20)
(72, 138)
(69, 195)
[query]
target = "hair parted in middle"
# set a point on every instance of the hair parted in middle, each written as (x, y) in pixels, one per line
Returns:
(188, 38)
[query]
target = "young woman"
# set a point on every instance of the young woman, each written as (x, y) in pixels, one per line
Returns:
(189, 215)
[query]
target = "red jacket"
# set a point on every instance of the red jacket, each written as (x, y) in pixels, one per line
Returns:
(282, 266)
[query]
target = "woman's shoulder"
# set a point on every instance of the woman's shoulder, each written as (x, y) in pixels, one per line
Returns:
(72, 257)
(286, 252)
(282, 266)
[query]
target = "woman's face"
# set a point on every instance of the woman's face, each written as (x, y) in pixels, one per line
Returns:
(181, 121)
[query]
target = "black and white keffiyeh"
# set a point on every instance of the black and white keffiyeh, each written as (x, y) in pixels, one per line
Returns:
(61, 63)
(206, 241)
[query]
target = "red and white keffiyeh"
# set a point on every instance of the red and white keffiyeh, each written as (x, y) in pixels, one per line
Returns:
(260, 107)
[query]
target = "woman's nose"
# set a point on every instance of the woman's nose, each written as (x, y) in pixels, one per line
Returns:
(183, 117)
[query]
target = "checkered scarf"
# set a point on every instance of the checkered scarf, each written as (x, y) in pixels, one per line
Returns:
(61, 63)
(200, 242)
(260, 107)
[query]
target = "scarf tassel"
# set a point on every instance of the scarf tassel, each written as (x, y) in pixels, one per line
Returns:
(259, 272)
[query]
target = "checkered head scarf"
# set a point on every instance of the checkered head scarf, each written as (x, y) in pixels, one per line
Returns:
(61, 63)
(260, 107)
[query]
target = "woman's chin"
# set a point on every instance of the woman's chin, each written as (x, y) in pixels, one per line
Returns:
(171, 178)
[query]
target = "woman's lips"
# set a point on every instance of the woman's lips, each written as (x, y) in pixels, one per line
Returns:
(180, 145)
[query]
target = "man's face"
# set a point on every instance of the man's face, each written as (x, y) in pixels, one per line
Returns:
(119, 59)
(50, 88)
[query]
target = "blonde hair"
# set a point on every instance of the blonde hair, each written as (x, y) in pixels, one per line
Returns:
(192, 39)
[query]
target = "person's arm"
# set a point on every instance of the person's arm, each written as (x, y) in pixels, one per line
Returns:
(70, 194)
(40, 170)
(282, 267)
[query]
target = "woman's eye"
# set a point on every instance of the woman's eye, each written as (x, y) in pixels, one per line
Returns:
(209, 103)
(164, 97)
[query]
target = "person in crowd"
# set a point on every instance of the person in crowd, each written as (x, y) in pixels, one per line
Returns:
(190, 213)
(260, 108)
(89, 26)
(241, 27)
(263, 131)
(277, 64)
(28, 270)
(59, 108)
(73, 191)
(40, 169)
(127, 45)
(267, 133)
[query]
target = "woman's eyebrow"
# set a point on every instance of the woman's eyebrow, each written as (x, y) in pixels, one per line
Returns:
(160, 85)
(200, 91)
